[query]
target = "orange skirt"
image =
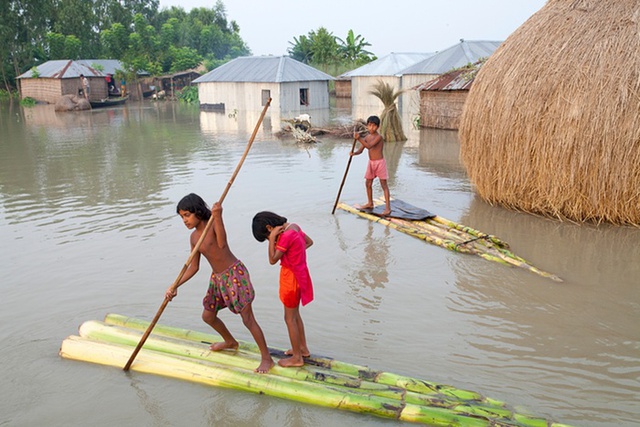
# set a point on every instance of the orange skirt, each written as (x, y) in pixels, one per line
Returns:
(289, 288)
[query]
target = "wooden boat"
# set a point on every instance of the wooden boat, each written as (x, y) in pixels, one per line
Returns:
(442, 232)
(185, 354)
(109, 102)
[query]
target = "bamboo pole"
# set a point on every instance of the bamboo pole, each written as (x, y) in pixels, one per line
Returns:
(344, 178)
(196, 248)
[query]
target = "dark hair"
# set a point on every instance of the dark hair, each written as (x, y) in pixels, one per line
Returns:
(374, 119)
(194, 204)
(260, 222)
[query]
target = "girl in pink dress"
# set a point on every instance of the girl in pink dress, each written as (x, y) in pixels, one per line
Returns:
(288, 244)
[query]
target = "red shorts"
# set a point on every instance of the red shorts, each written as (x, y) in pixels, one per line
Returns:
(376, 168)
(289, 288)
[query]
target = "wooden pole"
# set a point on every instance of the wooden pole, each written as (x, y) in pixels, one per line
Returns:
(344, 178)
(196, 248)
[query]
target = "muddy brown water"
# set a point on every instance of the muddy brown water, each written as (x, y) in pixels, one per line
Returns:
(88, 227)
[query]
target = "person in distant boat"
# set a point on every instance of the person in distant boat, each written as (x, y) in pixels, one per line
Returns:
(377, 166)
(288, 244)
(111, 84)
(230, 285)
(86, 89)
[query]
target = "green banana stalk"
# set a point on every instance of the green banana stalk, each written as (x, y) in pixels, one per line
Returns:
(187, 360)
(480, 244)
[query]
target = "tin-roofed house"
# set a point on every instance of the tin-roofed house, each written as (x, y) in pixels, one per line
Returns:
(457, 56)
(246, 83)
(442, 99)
(53, 79)
(385, 69)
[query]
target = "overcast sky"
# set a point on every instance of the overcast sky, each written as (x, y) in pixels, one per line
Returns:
(390, 26)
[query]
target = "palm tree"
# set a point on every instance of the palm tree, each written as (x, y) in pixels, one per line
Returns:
(390, 123)
(301, 49)
(353, 49)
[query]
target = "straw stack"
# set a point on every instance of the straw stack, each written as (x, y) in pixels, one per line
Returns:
(551, 124)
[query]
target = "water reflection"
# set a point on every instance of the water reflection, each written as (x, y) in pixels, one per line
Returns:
(439, 152)
(526, 325)
(372, 273)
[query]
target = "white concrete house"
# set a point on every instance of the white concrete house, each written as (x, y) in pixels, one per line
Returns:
(384, 69)
(246, 83)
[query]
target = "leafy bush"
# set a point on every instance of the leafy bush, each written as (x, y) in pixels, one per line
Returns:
(5, 94)
(27, 102)
(189, 95)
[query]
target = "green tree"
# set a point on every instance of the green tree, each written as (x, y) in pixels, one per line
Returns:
(24, 27)
(323, 50)
(76, 17)
(300, 49)
(184, 58)
(133, 31)
(352, 49)
(56, 45)
(72, 47)
(115, 41)
(324, 47)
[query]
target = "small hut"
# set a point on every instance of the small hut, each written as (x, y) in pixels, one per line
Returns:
(442, 99)
(246, 83)
(173, 83)
(53, 79)
(551, 123)
(343, 87)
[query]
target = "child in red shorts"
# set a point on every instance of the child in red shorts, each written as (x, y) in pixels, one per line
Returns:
(377, 166)
(288, 244)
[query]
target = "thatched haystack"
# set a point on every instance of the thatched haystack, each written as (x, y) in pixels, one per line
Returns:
(390, 122)
(552, 124)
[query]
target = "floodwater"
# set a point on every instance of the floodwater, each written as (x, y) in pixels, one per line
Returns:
(88, 227)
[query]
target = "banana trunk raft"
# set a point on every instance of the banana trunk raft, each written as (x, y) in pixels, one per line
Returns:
(442, 232)
(184, 354)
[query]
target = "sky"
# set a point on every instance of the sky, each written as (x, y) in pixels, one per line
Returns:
(389, 26)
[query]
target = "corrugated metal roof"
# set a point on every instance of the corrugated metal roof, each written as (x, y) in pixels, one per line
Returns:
(456, 56)
(388, 65)
(62, 69)
(455, 80)
(109, 66)
(68, 69)
(268, 69)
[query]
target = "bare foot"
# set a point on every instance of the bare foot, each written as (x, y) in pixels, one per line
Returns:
(386, 212)
(291, 362)
(265, 365)
(365, 206)
(303, 351)
(218, 346)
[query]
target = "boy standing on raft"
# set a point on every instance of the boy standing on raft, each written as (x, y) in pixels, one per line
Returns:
(377, 166)
(230, 285)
